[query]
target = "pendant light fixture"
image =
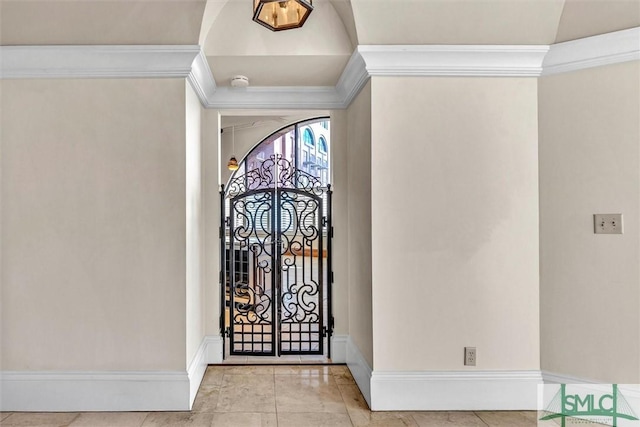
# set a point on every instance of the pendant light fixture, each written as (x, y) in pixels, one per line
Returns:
(279, 15)
(233, 162)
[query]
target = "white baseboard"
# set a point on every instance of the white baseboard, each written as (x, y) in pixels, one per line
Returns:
(196, 370)
(454, 390)
(339, 348)
(176, 390)
(94, 391)
(443, 390)
(583, 386)
(213, 350)
(360, 369)
(554, 378)
(69, 391)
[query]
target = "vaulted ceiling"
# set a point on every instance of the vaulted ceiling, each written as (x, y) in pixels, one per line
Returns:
(84, 22)
(584, 18)
(316, 54)
(313, 55)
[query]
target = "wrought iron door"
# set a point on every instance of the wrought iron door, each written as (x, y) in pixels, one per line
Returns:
(277, 296)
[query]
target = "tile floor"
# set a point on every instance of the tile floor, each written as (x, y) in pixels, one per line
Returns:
(269, 396)
(281, 360)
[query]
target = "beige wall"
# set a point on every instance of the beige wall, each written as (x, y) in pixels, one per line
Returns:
(93, 224)
(340, 202)
(210, 158)
(102, 271)
(195, 293)
(2, 290)
(359, 230)
(454, 206)
(590, 163)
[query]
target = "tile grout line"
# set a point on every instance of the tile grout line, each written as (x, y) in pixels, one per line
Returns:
(145, 418)
(343, 401)
(480, 418)
(218, 395)
(74, 419)
(275, 398)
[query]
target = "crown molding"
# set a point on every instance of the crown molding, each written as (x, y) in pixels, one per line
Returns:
(443, 60)
(20, 62)
(303, 97)
(353, 79)
(201, 78)
(24, 62)
(589, 52)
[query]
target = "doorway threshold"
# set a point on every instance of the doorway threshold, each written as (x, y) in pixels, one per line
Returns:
(275, 360)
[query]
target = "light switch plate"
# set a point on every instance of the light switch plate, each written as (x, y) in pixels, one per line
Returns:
(607, 223)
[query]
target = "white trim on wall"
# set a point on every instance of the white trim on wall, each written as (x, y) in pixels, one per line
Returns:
(443, 390)
(455, 390)
(631, 391)
(196, 371)
(371, 60)
(201, 79)
(257, 97)
(360, 369)
(555, 378)
(36, 62)
(213, 351)
(173, 390)
(354, 77)
(69, 391)
(596, 51)
(446, 60)
(339, 348)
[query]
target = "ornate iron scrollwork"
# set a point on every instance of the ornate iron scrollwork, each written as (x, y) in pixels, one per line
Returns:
(274, 172)
(276, 270)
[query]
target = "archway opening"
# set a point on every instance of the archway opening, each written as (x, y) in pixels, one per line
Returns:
(276, 246)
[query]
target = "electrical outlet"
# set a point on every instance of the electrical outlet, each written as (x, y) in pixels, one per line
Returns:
(607, 223)
(470, 356)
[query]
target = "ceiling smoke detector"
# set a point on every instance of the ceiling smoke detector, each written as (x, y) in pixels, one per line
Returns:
(240, 81)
